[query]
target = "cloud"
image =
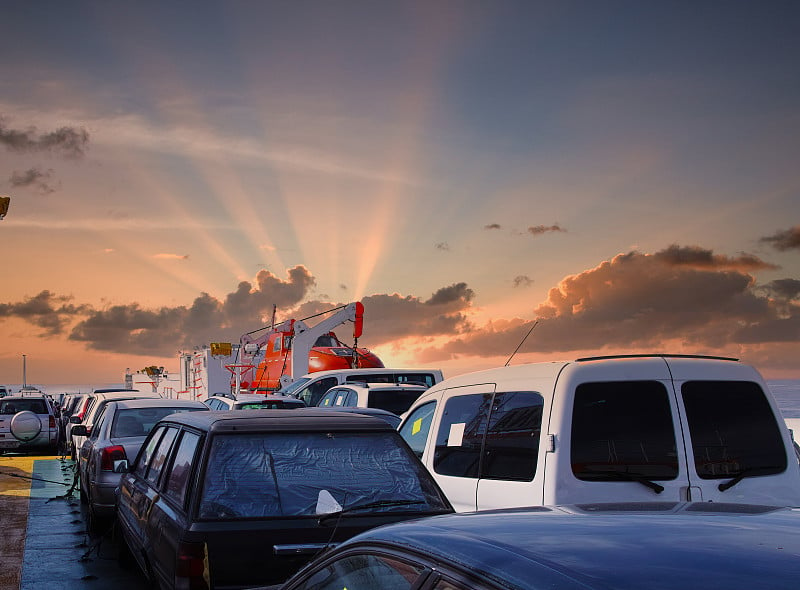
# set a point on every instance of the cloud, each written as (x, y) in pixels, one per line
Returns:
(701, 258)
(68, 142)
(784, 240)
(492, 226)
(538, 230)
(673, 298)
(671, 301)
(522, 281)
(45, 310)
(164, 256)
(163, 331)
(33, 177)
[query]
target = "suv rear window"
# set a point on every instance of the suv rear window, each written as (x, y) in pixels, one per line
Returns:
(733, 429)
(12, 406)
(623, 430)
(395, 401)
(264, 475)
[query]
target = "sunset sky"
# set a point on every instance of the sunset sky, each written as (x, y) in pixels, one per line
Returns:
(627, 173)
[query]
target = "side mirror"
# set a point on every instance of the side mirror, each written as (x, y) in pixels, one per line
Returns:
(80, 430)
(121, 466)
(74, 420)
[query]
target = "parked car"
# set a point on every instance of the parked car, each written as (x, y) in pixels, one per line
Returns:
(250, 401)
(312, 386)
(97, 401)
(392, 398)
(658, 546)
(28, 422)
(118, 434)
(245, 498)
(607, 429)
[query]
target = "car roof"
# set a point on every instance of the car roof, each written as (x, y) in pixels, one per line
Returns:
(654, 545)
(158, 402)
(301, 419)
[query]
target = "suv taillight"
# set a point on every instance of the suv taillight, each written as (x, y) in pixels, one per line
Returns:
(190, 569)
(52, 421)
(111, 454)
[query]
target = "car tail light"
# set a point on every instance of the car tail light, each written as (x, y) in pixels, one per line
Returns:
(111, 454)
(191, 572)
(52, 421)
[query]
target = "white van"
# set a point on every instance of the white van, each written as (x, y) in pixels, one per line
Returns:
(312, 386)
(664, 428)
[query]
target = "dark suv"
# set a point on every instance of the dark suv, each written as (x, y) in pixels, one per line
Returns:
(245, 498)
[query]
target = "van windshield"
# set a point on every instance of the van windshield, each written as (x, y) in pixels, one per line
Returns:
(274, 475)
(294, 386)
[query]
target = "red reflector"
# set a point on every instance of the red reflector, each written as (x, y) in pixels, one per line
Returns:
(191, 566)
(111, 454)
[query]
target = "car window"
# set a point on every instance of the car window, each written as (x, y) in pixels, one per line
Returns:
(177, 481)
(397, 401)
(423, 378)
(327, 399)
(314, 392)
(275, 474)
(623, 426)
(160, 455)
(415, 429)
(147, 452)
(132, 422)
(366, 571)
(341, 396)
(460, 436)
(350, 399)
(733, 429)
(98, 424)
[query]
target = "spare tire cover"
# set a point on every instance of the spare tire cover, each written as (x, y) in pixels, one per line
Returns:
(25, 426)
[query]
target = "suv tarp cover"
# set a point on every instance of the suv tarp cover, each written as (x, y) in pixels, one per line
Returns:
(294, 474)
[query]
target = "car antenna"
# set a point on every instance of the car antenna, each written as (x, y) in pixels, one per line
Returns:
(521, 343)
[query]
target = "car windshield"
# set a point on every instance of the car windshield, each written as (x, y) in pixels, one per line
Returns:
(309, 474)
(140, 421)
(12, 406)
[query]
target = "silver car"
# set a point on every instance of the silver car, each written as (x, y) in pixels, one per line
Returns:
(117, 435)
(28, 422)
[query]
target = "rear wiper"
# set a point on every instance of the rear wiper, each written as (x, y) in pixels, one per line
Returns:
(726, 485)
(628, 476)
(367, 506)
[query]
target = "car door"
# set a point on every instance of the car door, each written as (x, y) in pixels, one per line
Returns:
(168, 515)
(136, 499)
(86, 454)
(456, 457)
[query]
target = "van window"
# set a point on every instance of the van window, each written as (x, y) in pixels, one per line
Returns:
(491, 436)
(733, 429)
(416, 427)
(623, 429)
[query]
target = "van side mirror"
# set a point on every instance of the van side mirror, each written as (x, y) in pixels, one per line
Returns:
(121, 466)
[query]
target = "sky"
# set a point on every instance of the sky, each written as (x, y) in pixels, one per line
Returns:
(622, 175)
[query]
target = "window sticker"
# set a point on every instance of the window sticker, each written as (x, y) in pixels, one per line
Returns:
(456, 436)
(416, 426)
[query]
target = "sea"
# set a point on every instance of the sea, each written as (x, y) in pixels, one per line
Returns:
(785, 391)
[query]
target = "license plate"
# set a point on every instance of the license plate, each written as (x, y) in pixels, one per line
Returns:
(8, 444)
